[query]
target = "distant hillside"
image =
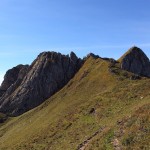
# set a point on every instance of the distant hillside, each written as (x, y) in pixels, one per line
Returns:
(103, 107)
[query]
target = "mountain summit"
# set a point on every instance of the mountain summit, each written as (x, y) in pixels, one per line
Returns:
(135, 61)
(46, 75)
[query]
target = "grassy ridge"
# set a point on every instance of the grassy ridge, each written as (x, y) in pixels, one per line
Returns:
(95, 98)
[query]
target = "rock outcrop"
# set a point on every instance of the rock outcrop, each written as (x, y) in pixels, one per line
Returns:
(46, 75)
(12, 76)
(135, 61)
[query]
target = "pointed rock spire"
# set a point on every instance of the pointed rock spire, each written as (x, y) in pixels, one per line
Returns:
(73, 57)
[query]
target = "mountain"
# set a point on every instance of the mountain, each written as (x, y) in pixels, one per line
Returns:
(135, 60)
(45, 76)
(101, 107)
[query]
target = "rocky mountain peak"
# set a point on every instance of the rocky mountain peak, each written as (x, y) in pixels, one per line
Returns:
(46, 75)
(135, 61)
(25, 87)
(73, 57)
(134, 51)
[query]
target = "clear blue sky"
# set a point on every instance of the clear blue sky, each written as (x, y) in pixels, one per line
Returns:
(104, 27)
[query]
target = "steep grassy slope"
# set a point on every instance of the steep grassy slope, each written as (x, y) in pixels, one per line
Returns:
(100, 103)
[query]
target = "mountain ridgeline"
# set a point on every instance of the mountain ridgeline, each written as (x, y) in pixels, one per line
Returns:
(25, 87)
(62, 102)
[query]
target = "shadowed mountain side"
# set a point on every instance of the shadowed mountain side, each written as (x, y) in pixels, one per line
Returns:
(136, 61)
(46, 75)
(12, 76)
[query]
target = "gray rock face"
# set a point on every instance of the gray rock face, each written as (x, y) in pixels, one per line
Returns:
(136, 61)
(46, 75)
(12, 76)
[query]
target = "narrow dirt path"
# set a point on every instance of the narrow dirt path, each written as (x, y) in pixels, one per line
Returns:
(85, 143)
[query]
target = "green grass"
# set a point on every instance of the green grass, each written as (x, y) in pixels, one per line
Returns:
(64, 121)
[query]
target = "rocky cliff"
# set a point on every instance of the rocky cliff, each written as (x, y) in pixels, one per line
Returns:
(135, 61)
(12, 76)
(46, 75)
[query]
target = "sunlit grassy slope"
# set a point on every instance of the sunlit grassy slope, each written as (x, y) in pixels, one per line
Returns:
(99, 96)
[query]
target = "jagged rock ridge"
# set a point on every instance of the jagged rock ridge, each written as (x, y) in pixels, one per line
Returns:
(135, 61)
(26, 87)
(46, 75)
